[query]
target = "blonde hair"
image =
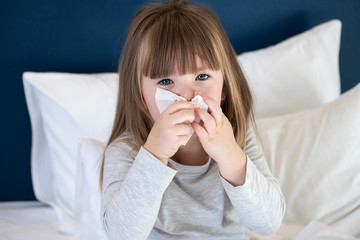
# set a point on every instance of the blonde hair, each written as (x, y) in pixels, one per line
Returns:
(161, 37)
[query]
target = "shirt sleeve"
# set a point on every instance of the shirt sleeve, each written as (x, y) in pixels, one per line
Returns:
(132, 192)
(259, 202)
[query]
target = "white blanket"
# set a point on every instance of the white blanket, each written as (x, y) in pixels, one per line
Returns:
(29, 220)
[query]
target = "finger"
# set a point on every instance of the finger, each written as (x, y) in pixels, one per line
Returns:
(199, 130)
(182, 116)
(208, 120)
(182, 129)
(179, 105)
(214, 109)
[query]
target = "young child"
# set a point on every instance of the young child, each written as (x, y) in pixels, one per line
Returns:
(157, 183)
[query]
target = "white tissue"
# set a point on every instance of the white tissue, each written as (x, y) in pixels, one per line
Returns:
(199, 103)
(164, 99)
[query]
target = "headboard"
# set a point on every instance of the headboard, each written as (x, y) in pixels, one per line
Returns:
(87, 37)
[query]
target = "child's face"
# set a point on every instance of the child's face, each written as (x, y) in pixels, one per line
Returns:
(209, 82)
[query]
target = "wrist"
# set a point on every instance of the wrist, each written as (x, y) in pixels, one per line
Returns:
(229, 152)
(233, 169)
(150, 150)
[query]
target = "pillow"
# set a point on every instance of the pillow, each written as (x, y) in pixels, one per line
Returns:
(64, 107)
(88, 196)
(315, 155)
(299, 73)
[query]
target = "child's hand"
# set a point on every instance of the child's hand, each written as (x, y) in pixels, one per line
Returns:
(216, 133)
(217, 138)
(170, 130)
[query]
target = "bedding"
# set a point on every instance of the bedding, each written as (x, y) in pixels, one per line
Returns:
(307, 65)
(70, 126)
(64, 107)
(30, 220)
(88, 199)
(315, 156)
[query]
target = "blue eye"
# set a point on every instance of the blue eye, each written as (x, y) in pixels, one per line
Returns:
(165, 82)
(202, 77)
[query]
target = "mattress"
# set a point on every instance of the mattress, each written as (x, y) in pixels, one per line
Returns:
(30, 220)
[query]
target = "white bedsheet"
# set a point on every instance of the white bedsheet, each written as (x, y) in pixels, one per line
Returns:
(29, 220)
(314, 230)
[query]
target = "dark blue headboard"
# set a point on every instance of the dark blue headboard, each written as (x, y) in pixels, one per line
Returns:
(87, 36)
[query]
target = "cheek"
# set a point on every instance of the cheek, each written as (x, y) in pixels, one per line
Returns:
(216, 94)
(154, 111)
(149, 98)
(215, 88)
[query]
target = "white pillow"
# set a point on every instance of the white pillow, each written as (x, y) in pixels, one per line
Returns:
(315, 155)
(299, 73)
(88, 196)
(63, 108)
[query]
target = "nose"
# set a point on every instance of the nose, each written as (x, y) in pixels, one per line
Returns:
(187, 91)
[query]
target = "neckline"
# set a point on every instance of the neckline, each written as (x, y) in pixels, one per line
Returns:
(188, 169)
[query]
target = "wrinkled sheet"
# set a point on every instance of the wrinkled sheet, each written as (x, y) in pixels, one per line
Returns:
(312, 231)
(285, 232)
(319, 231)
(30, 220)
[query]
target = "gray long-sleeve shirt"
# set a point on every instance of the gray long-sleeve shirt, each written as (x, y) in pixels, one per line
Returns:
(144, 199)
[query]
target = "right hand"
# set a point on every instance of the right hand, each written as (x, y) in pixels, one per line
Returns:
(170, 130)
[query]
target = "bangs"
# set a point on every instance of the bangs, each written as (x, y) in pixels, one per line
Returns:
(174, 42)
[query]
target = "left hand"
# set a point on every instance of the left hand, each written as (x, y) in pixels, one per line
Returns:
(215, 134)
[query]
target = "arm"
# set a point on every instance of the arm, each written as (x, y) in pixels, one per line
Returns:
(134, 186)
(253, 191)
(132, 192)
(259, 202)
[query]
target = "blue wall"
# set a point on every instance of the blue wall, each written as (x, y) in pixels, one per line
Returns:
(87, 36)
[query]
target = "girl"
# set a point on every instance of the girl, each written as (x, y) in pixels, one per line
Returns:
(156, 182)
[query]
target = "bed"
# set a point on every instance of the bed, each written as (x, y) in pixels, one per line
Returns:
(307, 106)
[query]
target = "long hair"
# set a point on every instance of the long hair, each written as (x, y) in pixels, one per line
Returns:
(166, 36)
